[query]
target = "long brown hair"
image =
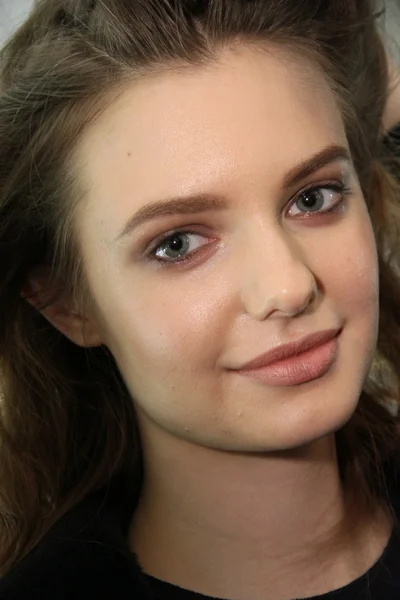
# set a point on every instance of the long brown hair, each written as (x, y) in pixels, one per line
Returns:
(67, 422)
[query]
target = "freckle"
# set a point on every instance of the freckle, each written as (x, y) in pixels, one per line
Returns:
(129, 154)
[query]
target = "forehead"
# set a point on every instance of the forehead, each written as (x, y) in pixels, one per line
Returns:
(250, 114)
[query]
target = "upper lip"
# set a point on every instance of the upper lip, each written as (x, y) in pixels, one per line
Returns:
(292, 349)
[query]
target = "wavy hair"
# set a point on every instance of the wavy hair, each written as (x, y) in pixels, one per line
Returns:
(67, 422)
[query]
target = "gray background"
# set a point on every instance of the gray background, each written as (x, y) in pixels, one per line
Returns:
(392, 27)
(13, 11)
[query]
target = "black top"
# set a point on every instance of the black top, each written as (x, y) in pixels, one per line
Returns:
(86, 554)
(392, 140)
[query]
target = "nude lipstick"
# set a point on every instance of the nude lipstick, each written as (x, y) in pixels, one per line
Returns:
(295, 363)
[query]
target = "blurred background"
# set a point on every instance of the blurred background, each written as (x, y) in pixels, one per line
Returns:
(13, 11)
(392, 27)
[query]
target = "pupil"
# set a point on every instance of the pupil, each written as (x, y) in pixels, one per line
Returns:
(312, 200)
(176, 243)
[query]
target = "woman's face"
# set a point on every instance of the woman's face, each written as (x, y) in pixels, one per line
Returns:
(224, 220)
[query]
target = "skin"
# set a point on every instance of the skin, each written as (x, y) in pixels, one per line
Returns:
(241, 477)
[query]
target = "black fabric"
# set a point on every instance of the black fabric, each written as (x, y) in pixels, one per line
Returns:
(391, 145)
(392, 140)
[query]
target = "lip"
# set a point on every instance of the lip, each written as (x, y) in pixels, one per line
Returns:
(294, 363)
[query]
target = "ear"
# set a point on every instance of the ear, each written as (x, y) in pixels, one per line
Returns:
(81, 328)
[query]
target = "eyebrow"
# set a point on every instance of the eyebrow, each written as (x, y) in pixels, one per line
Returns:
(199, 203)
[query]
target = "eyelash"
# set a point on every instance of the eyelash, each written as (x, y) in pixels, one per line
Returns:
(338, 187)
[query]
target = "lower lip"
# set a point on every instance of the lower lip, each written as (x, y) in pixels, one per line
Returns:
(304, 367)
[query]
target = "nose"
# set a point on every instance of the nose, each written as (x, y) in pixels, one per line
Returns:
(276, 280)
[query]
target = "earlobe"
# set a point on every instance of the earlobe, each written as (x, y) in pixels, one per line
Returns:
(76, 327)
(79, 328)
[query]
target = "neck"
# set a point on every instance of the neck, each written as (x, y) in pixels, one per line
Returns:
(223, 519)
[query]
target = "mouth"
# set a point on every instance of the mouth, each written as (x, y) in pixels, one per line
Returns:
(294, 364)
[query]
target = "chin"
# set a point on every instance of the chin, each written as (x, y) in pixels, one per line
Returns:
(302, 416)
(307, 426)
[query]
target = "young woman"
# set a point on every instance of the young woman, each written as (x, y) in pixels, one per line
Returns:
(200, 300)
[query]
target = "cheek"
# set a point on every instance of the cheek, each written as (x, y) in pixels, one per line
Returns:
(356, 276)
(167, 345)
(169, 329)
(352, 284)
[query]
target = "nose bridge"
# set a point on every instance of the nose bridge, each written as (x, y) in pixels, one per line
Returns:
(275, 277)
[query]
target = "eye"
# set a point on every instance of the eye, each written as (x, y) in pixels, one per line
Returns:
(178, 246)
(319, 199)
